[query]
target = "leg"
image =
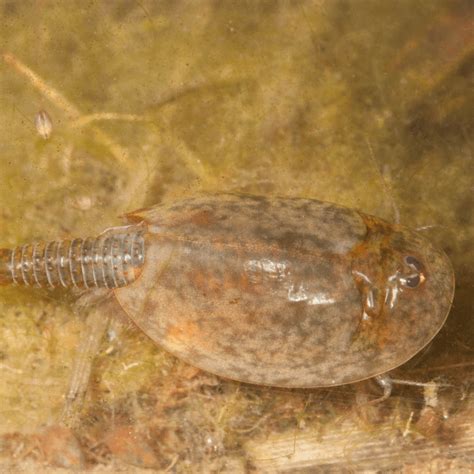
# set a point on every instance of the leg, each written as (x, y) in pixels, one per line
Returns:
(386, 383)
(96, 325)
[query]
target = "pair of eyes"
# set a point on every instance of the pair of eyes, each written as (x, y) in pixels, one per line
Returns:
(416, 277)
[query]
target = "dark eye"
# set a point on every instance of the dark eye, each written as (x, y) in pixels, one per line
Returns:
(417, 274)
(412, 281)
(413, 263)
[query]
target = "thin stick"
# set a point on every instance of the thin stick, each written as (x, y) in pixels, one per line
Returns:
(49, 92)
(88, 119)
(385, 184)
(65, 105)
(460, 365)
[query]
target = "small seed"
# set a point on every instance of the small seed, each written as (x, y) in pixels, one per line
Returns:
(43, 124)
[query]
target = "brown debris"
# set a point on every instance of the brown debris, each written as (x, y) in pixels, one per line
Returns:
(55, 446)
(131, 447)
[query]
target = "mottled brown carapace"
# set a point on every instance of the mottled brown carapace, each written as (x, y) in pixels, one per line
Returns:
(286, 292)
(275, 291)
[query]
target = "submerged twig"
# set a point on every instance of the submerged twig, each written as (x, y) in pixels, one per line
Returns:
(387, 188)
(103, 116)
(61, 102)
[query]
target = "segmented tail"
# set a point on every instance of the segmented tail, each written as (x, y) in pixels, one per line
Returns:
(111, 260)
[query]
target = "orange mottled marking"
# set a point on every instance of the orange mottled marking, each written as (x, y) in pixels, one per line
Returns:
(188, 334)
(209, 283)
(183, 332)
(202, 218)
(205, 282)
(134, 217)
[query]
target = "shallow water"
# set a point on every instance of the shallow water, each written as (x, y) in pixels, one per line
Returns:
(362, 103)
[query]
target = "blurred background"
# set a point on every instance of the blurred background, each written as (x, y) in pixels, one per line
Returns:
(360, 102)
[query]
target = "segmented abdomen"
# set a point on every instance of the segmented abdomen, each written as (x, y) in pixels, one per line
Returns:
(108, 261)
